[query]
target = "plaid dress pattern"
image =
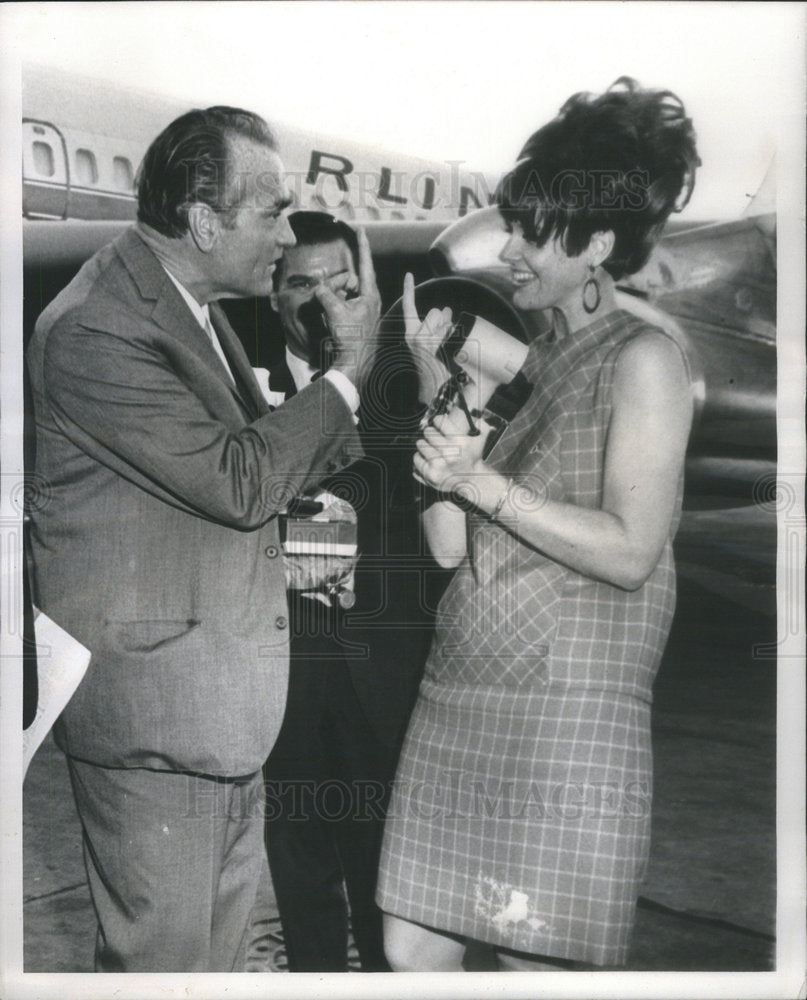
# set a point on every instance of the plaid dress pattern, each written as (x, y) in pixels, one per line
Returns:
(521, 809)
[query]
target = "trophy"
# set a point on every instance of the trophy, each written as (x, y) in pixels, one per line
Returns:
(486, 379)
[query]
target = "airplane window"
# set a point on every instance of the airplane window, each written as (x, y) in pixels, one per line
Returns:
(372, 213)
(43, 159)
(122, 173)
(86, 167)
(397, 215)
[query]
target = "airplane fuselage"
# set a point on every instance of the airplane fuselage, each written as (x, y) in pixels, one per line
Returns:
(83, 141)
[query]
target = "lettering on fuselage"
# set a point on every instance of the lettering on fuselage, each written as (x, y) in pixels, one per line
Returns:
(55, 186)
(317, 167)
(389, 187)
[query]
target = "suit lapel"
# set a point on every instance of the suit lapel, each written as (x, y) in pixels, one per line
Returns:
(171, 314)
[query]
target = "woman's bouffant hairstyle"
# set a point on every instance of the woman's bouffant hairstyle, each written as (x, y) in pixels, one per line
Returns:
(621, 161)
(189, 161)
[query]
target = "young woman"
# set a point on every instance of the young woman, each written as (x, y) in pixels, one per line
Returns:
(521, 814)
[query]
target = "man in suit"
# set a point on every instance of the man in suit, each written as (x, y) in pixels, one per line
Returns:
(353, 673)
(159, 547)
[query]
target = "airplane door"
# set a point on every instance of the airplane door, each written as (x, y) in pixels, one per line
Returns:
(45, 178)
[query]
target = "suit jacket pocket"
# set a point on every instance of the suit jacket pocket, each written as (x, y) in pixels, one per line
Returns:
(150, 635)
(174, 694)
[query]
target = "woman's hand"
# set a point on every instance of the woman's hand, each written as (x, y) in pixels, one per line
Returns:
(448, 458)
(423, 340)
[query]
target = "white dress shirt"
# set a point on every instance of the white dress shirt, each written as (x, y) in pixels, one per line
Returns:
(301, 371)
(202, 316)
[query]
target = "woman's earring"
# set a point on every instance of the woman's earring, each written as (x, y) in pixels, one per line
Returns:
(591, 287)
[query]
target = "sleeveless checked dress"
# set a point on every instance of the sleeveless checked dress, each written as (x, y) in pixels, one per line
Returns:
(521, 809)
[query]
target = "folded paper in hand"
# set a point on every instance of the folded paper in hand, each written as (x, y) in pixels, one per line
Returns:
(61, 663)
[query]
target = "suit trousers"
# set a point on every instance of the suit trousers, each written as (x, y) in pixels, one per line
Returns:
(327, 787)
(173, 862)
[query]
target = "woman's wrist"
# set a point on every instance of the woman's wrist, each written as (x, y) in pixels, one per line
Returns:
(431, 376)
(485, 491)
(504, 496)
(496, 495)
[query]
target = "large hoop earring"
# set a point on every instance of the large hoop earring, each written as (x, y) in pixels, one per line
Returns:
(590, 284)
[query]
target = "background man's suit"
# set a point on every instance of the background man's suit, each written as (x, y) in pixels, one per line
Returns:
(385, 634)
(353, 678)
(157, 548)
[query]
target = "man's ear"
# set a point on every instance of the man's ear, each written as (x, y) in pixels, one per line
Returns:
(203, 225)
(600, 247)
(273, 300)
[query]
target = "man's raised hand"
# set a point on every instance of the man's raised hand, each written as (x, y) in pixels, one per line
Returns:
(354, 322)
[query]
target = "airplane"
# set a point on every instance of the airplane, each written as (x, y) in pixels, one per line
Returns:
(712, 285)
(82, 142)
(81, 148)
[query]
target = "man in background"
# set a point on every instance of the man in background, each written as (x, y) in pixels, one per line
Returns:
(159, 548)
(354, 671)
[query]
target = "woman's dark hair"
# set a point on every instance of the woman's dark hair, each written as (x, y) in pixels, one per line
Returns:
(621, 161)
(189, 161)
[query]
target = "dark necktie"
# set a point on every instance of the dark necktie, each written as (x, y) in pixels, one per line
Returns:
(244, 392)
(280, 379)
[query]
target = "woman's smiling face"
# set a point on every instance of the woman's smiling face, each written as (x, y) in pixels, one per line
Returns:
(544, 277)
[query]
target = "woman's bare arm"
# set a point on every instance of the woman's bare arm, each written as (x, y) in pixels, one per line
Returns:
(444, 526)
(622, 541)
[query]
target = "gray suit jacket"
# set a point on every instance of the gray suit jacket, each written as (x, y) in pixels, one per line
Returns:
(155, 541)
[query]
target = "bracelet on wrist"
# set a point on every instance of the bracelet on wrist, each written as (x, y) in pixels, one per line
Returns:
(502, 500)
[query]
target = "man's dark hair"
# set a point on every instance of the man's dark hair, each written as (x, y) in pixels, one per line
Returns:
(190, 161)
(316, 228)
(621, 161)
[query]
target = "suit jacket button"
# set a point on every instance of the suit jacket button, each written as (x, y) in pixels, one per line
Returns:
(271, 551)
(280, 622)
